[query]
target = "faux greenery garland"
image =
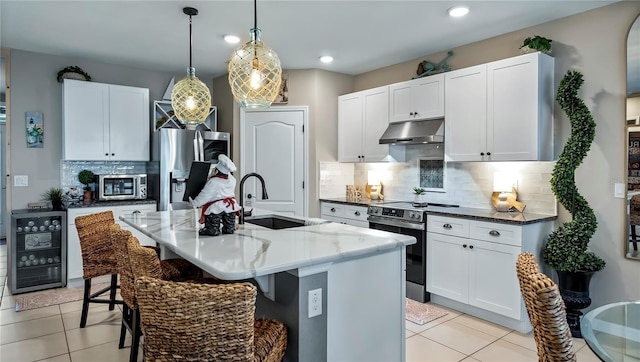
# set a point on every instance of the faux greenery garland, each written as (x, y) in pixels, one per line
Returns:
(566, 249)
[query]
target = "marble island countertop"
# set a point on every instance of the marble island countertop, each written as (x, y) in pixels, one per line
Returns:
(254, 250)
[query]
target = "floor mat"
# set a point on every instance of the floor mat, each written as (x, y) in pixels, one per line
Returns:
(55, 296)
(420, 313)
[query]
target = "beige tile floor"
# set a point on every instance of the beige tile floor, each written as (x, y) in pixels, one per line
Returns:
(52, 334)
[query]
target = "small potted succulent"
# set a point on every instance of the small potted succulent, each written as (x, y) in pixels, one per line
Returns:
(86, 177)
(420, 195)
(536, 43)
(56, 196)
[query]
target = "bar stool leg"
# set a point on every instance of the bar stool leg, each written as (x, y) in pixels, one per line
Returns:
(112, 293)
(85, 303)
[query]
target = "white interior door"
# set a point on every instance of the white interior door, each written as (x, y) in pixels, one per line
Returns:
(273, 145)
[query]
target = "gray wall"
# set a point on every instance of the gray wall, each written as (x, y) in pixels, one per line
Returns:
(593, 43)
(34, 88)
(315, 88)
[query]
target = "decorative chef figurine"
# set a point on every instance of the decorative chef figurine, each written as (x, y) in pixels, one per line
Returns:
(218, 200)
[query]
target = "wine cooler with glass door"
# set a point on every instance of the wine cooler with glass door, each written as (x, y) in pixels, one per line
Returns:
(37, 251)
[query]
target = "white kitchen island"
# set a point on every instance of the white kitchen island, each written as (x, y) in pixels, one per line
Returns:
(360, 272)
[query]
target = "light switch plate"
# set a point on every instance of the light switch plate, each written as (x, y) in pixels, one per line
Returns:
(20, 180)
(618, 190)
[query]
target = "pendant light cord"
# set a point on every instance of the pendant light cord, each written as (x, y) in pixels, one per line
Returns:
(255, 14)
(190, 44)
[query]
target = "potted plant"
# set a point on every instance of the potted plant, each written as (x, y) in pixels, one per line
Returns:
(56, 196)
(86, 177)
(420, 195)
(566, 249)
(536, 43)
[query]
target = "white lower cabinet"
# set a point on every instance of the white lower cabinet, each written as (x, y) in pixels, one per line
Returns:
(74, 252)
(474, 263)
(344, 213)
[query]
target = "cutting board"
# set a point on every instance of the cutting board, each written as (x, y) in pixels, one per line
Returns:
(198, 176)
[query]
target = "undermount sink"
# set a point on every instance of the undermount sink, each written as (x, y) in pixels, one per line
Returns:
(275, 222)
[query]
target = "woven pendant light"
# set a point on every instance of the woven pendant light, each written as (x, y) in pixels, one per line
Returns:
(255, 73)
(190, 98)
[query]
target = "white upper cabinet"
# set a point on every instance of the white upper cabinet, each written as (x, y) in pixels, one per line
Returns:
(105, 122)
(417, 99)
(362, 119)
(501, 111)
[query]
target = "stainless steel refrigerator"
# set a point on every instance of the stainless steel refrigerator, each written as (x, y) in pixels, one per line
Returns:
(172, 155)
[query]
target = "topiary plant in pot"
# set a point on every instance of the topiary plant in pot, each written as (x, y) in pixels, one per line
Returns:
(566, 249)
(86, 177)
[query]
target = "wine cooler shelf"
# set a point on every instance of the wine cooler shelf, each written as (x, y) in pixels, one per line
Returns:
(38, 250)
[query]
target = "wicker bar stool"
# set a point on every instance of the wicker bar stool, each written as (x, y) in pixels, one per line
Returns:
(204, 322)
(546, 311)
(172, 269)
(97, 260)
(130, 316)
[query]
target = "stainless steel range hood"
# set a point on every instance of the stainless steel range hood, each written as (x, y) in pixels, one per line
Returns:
(414, 132)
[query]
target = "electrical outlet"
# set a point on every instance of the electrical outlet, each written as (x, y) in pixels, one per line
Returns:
(20, 180)
(315, 302)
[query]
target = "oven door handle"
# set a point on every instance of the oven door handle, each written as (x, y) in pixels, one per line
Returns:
(401, 224)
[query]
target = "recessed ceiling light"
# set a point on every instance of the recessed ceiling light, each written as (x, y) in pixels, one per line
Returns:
(326, 59)
(231, 39)
(458, 11)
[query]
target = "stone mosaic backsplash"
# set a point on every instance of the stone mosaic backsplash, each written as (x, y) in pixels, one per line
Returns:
(70, 169)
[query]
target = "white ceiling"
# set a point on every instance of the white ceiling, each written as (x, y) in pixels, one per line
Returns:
(361, 35)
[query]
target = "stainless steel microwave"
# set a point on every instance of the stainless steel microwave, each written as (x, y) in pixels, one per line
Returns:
(121, 187)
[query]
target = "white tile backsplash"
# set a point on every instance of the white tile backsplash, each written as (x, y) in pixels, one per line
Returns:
(469, 184)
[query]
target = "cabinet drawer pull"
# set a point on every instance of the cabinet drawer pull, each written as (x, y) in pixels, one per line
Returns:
(447, 226)
(137, 212)
(357, 213)
(488, 153)
(333, 209)
(494, 233)
(464, 245)
(470, 246)
(481, 153)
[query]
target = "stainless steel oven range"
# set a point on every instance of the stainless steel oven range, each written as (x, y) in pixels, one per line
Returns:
(407, 219)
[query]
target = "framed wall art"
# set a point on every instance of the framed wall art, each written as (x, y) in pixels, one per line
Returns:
(35, 129)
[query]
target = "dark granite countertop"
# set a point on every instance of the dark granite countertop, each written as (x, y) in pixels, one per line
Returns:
(111, 203)
(490, 215)
(461, 212)
(364, 201)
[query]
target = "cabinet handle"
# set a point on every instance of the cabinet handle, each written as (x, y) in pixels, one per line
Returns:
(113, 154)
(464, 246)
(357, 213)
(481, 153)
(470, 246)
(333, 209)
(137, 212)
(106, 154)
(488, 153)
(494, 233)
(411, 113)
(447, 226)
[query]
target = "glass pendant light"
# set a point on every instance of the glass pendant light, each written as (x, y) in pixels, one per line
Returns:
(255, 73)
(190, 98)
